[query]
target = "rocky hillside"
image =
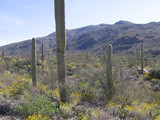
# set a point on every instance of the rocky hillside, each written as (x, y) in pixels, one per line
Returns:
(123, 35)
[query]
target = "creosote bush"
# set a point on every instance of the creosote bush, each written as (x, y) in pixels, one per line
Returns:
(154, 74)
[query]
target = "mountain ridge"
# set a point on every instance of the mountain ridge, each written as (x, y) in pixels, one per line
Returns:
(123, 35)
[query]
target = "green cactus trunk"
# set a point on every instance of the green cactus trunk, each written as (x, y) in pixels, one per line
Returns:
(87, 57)
(42, 56)
(61, 47)
(137, 56)
(34, 69)
(121, 71)
(109, 83)
(48, 56)
(142, 59)
(2, 53)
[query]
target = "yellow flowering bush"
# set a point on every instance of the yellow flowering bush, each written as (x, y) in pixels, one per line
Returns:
(157, 117)
(112, 104)
(128, 108)
(71, 66)
(66, 108)
(90, 114)
(15, 87)
(144, 108)
(84, 85)
(75, 97)
(18, 86)
(54, 93)
(87, 92)
(41, 86)
(82, 116)
(94, 114)
(37, 117)
(154, 80)
(146, 67)
(38, 104)
(97, 64)
(141, 108)
(146, 75)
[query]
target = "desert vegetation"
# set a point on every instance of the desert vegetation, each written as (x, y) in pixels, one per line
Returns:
(130, 95)
(76, 86)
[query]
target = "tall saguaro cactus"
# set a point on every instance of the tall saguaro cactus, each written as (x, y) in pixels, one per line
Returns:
(61, 46)
(2, 53)
(137, 56)
(109, 72)
(42, 55)
(34, 69)
(142, 58)
(121, 71)
(109, 63)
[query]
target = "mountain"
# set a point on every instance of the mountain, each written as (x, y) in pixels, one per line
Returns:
(122, 22)
(123, 35)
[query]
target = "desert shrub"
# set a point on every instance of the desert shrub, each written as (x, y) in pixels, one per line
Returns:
(37, 117)
(87, 92)
(22, 72)
(131, 62)
(14, 86)
(36, 104)
(19, 64)
(154, 74)
(133, 71)
(124, 94)
(101, 84)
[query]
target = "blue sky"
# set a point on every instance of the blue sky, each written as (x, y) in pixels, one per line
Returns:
(23, 19)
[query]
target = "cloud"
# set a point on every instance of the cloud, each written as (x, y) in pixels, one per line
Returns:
(8, 28)
(10, 23)
(23, 5)
(11, 20)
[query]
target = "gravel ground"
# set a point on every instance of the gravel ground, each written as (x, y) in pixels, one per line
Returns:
(7, 117)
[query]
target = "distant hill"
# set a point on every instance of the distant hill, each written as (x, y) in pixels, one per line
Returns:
(122, 22)
(123, 35)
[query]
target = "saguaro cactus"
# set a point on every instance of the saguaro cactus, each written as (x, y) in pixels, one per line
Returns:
(2, 53)
(42, 55)
(137, 56)
(142, 59)
(121, 71)
(49, 54)
(109, 73)
(87, 57)
(61, 46)
(34, 70)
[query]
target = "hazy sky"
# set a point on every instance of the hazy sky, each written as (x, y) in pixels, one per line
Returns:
(24, 19)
